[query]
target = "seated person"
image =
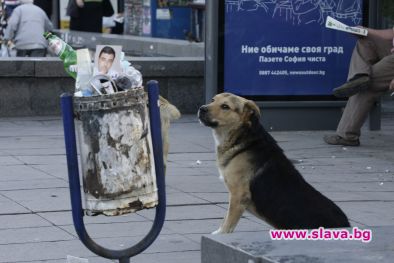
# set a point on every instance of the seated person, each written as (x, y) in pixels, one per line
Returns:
(371, 74)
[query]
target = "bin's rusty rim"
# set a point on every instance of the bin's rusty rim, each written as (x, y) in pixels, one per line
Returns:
(120, 211)
(122, 99)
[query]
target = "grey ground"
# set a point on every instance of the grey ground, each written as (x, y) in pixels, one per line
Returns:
(35, 217)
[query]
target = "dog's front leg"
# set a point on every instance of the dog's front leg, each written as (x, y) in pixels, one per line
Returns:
(234, 213)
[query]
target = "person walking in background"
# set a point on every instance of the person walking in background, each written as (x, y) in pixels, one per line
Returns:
(26, 27)
(87, 15)
(371, 74)
(10, 5)
(45, 5)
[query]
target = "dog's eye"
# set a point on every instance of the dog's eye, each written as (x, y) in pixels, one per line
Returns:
(225, 107)
(212, 100)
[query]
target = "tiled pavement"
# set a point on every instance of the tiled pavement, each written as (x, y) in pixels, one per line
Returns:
(35, 217)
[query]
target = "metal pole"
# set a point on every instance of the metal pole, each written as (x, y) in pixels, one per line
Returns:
(153, 18)
(211, 49)
(154, 114)
(124, 260)
(72, 161)
(372, 14)
(55, 14)
(375, 21)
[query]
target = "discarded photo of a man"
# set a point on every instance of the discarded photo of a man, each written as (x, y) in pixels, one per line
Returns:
(107, 61)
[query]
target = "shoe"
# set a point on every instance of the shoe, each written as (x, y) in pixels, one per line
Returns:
(353, 86)
(338, 140)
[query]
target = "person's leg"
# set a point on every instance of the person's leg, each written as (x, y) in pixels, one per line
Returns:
(39, 52)
(75, 23)
(355, 114)
(382, 73)
(359, 105)
(368, 52)
(21, 52)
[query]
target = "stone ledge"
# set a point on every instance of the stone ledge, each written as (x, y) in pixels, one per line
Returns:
(17, 67)
(149, 67)
(134, 45)
(32, 86)
(257, 247)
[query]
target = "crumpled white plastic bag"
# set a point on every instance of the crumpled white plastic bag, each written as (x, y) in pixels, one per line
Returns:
(5, 53)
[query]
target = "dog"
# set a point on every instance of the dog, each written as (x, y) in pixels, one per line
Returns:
(168, 113)
(258, 175)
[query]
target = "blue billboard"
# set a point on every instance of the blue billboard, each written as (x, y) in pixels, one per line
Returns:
(282, 47)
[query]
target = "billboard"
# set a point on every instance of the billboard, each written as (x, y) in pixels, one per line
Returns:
(282, 48)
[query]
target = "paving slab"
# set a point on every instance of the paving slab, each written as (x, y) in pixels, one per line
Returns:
(116, 229)
(21, 173)
(9, 207)
(30, 252)
(188, 212)
(164, 243)
(202, 226)
(64, 218)
(22, 221)
(39, 200)
(37, 183)
(33, 235)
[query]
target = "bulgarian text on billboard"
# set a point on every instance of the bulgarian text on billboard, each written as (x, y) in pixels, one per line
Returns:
(282, 47)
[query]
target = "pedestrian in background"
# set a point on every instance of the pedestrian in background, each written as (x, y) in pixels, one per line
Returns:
(87, 15)
(10, 5)
(25, 29)
(45, 5)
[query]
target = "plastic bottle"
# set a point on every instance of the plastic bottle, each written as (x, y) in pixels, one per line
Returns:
(64, 51)
(84, 73)
(134, 76)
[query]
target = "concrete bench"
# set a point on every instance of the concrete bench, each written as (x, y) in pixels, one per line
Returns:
(257, 247)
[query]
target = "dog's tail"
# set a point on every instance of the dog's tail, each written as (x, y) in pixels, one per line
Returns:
(168, 110)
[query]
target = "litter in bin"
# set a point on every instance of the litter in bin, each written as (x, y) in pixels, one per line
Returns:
(64, 51)
(109, 74)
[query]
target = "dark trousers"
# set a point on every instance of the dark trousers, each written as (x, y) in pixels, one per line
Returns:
(39, 52)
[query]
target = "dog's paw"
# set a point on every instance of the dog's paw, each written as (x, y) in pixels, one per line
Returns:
(219, 231)
(216, 232)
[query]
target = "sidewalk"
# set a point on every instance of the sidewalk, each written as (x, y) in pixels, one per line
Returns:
(35, 217)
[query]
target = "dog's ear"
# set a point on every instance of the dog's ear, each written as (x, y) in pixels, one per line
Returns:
(250, 113)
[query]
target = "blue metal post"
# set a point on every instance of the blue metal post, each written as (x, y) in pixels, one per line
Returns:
(75, 187)
(154, 114)
(72, 162)
(153, 18)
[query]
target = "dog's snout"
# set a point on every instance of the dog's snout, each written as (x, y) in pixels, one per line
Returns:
(203, 109)
(204, 116)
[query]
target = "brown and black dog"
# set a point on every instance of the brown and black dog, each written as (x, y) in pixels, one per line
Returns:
(258, 175)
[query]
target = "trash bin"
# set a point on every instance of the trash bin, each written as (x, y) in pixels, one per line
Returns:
(116, 155)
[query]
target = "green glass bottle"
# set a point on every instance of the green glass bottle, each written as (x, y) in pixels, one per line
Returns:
(64, 51)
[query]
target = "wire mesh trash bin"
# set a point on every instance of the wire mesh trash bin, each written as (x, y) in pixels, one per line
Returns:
(116, 155)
